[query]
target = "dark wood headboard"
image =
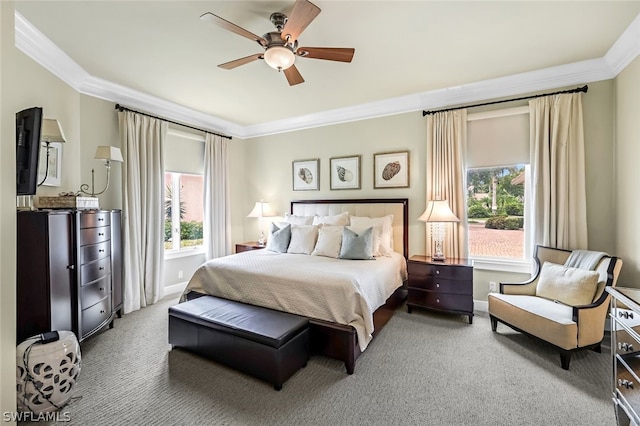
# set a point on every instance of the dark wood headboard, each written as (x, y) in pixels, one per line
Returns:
(374, 207)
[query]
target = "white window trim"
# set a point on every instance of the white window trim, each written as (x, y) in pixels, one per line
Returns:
(502, 265)
(185, 252)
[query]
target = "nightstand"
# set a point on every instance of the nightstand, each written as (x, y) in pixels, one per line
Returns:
(251, 245)
(440, 286)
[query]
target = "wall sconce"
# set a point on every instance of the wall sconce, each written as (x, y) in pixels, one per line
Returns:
(260, 210)
(437, 213)
(109, 154)
(51, 132)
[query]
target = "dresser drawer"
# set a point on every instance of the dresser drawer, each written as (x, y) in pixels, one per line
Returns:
(440, 271)
(94, 270)
(95, 219)
(92, 252)
(94, 235)
(95, 315)
(92, 293)
(441, 285)
(442, 301)
(625, 343)
(625, 382)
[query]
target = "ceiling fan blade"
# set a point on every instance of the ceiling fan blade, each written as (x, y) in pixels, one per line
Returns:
(293, 75)
(215, 19)
(302, 14)
(236, 63)
(341, 54)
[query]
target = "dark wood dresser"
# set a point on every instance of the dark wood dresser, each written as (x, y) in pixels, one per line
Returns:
(69, 271)
(440, 286)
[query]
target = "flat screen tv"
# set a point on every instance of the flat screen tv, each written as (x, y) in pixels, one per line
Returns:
(28, 127)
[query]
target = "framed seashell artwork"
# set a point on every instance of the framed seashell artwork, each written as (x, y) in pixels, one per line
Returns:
(306, 175)
(391, 169)
(345, 172)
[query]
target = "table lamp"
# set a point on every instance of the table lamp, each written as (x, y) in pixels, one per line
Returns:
(437, 213)
(260, 210)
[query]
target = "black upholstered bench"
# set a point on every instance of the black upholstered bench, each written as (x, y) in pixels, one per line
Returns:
(268, 344)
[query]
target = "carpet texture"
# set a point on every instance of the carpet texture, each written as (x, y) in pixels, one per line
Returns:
(423, 368)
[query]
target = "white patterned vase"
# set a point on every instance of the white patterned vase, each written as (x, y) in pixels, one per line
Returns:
(47, 372)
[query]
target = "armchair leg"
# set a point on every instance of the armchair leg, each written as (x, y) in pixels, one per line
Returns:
(565, 359)
(597, 348)
(494, 323)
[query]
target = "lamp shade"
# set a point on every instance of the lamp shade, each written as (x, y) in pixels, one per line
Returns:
(109, 153)
(51, 131)
(279, 57)
(262, 209)
(438, 211)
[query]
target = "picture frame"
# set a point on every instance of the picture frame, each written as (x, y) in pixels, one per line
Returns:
(391, 170)
(345, 172)
(54, 172)
(306, 175)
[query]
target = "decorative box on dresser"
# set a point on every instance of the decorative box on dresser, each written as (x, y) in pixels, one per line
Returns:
(625, 351)
(444, 286)
(69, 271)
(251, 245)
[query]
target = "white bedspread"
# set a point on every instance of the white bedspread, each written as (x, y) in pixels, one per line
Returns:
(337, 290)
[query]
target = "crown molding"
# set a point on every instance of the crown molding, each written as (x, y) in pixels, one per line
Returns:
(46, 53)
(626, 48)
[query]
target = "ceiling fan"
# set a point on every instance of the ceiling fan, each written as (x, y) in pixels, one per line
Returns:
(281, 46)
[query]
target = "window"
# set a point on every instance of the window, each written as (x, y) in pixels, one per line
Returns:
(184, 211)
(495, 209)
(184, 193)
(497, 188)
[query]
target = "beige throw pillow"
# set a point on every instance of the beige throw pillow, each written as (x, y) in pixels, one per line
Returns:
(329, 241)
(571, 286)
(303, 239)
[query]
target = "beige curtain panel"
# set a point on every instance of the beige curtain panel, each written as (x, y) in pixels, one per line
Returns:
(142, 140)
(558, 172)
(217, 214)
(446, 170)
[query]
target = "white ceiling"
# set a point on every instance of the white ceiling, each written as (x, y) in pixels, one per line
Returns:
(409, 55)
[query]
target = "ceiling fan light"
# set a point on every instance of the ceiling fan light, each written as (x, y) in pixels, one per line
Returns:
(279, 57)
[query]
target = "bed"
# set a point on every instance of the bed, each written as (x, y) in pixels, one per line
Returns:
(346, 301)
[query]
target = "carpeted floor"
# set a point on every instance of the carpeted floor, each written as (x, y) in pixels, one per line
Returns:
(423, 368)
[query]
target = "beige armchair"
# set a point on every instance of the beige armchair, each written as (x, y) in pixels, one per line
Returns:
(522, 306)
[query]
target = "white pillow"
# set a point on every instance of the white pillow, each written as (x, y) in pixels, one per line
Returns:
(298, 220)
(571, 286)
(329, 241)
(303, 239)
(341, 219)
(385, 247)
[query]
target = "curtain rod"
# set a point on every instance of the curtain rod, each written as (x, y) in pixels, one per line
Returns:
(123, 108)
(576, 90)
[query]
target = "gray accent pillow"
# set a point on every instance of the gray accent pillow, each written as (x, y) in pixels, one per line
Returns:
(357, 246)
(279, 238)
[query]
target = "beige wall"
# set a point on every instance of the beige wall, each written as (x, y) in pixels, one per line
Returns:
(627, 173)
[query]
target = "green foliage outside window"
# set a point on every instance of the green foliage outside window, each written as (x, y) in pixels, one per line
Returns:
(486, 184)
